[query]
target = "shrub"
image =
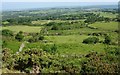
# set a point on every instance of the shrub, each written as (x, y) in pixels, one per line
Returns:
(31, 40)
(7, 32)
(6, 54)
(95, 34)
(35, 39)
(21, 32)
(90, 40)
(54, 27)
(19, 36)
(50, 24)
(50, 48)
(41, 37)
(107, 40)
(95, 63)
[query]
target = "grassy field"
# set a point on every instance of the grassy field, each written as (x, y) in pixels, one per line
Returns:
(13, 45)
(28, 29)
(106, 26)
(77, 31)
(72, 44)
(68, 39)
(79, 48)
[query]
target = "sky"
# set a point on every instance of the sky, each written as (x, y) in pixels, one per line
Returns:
(60, 0)
(26, 4)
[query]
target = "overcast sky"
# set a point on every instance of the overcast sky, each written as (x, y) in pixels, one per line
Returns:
(60, 0)
(24, 4)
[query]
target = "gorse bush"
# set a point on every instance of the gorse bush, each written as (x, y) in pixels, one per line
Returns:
(6, 54)
(32, 60)
(91, 40)
(96, 64)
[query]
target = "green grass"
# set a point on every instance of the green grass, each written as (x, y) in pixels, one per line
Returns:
(79, 48)
(67, 44)
(72, 44)
(28, 29)
(67, 39)
(106, 26)
(76, 31)
(13, 45)
(33, 45)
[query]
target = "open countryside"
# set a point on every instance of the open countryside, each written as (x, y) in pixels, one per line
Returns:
(60, 40)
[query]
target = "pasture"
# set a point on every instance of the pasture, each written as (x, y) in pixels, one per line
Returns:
(72, 44)
(106, 26)
(71, 40)
(28, 29)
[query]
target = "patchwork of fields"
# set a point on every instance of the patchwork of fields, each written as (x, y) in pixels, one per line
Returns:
(70, 43)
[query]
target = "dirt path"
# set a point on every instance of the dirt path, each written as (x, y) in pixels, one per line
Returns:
(21, 47)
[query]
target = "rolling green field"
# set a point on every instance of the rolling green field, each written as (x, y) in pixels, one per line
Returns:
(70, 43)
(28, 29)
(106, 26)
